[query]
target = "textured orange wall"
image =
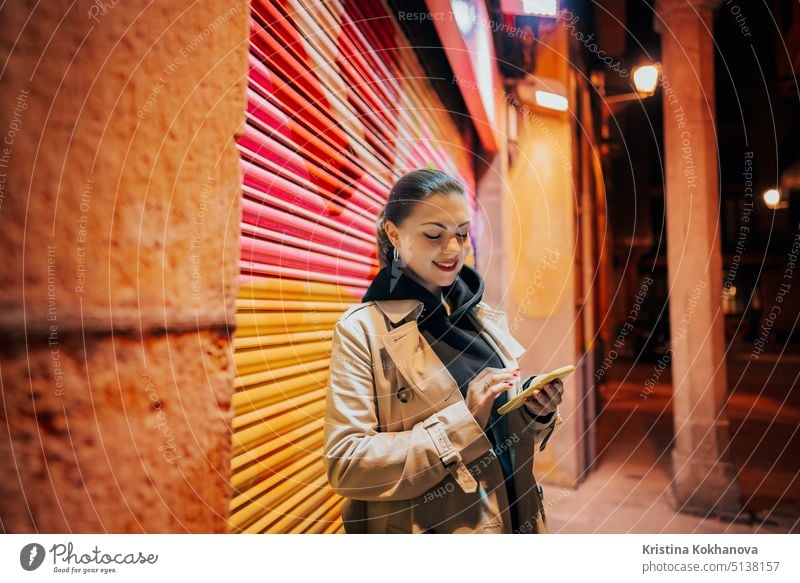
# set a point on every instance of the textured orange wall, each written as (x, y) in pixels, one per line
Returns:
(119, 220)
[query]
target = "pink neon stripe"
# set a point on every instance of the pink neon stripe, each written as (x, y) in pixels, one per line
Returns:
(268, 252)
(271, 220)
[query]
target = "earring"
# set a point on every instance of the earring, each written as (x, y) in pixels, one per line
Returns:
(395, 270)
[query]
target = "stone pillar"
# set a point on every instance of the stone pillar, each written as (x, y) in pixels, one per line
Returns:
(704, 479)
(119, 221)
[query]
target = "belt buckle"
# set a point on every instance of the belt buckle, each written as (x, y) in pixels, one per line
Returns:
(451, 457)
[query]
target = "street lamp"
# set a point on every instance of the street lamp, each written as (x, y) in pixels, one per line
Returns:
(645, 80)
(772, 198)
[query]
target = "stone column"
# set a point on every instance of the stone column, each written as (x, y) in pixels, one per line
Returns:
(119, 222)
(704, 479)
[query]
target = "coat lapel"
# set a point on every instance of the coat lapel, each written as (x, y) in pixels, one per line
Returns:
(495, 323)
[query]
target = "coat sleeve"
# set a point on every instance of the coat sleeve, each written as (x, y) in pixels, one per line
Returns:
(366, 464)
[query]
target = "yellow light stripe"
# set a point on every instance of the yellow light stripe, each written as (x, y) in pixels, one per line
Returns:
(275, 374)
(287, 405)
(280, 355)
(320, 518)
(267, 466)
(244, 342)
(276, 426)
(252, 323)
(248, 305)
(285, 507)
(273, 490)
(257, 453)
(266, 394)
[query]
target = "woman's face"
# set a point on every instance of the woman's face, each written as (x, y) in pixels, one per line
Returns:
(434, 239)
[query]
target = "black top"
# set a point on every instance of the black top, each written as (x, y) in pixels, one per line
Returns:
(455, 340)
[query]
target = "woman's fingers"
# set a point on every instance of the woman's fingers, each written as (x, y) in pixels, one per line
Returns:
(502, 384)
(493, 378)
(484, 388)
(547, 398)
(499, 386)
(489, 375)
(482, 374)
(554, 391)
(540, 398)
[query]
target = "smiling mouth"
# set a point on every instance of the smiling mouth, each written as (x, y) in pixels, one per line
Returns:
(449, 266)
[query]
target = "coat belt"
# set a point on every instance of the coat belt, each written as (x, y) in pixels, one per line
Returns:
(450, 456)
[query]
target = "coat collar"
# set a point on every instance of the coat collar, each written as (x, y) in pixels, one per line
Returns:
(397, 310)
(494, 321)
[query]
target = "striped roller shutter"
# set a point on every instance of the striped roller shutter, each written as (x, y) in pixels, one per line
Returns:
(338, 107)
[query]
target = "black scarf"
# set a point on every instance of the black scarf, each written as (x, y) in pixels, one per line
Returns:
(453, 336)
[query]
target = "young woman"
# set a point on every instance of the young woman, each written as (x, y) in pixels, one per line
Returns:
(412, 438)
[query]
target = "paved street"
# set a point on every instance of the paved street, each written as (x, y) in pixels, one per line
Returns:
(630, 490)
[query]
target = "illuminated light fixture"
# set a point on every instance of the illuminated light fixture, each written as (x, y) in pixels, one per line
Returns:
(551, 100)
(772, 198)
(539, 8)
(645, 79)
(543, 93)
(729, 300)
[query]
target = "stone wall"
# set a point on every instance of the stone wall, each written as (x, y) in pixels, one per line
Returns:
(119, 222)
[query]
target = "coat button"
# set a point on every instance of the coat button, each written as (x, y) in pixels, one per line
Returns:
(404, 394)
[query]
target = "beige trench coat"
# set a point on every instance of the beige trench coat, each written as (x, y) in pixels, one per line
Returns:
(400, 443)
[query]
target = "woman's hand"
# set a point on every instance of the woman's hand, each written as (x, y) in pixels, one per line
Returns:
(546, 399)
(483, 389)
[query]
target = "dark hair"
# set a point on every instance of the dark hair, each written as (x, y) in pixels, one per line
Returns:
(410, 189)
